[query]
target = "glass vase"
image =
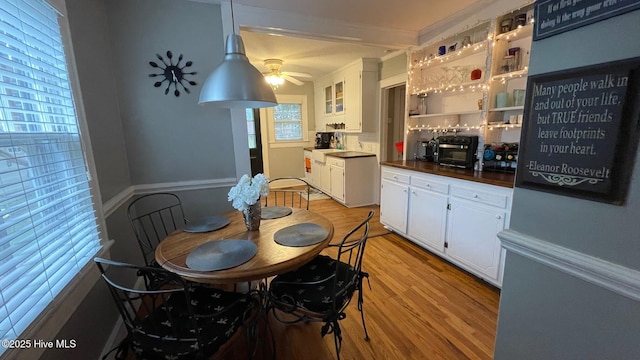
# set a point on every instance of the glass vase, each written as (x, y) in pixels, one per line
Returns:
(252, 216)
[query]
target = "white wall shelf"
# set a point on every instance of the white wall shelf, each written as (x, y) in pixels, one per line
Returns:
(445, 114)
(509, 108)
(518, 33)
(511, 75)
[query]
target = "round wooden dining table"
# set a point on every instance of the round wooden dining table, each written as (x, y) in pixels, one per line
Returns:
(271, 258)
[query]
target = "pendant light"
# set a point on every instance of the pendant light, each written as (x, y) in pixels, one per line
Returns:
(235, 83)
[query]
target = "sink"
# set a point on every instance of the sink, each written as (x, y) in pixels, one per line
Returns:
(319, 155)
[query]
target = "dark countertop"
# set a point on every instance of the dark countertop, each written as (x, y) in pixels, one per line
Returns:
(349, 154)
(486, 177)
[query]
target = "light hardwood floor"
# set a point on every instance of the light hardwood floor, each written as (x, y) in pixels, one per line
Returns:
(419, 306)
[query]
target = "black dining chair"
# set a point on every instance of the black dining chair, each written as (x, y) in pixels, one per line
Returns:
(153, 217)
(322, 289)
(289, 191)
(175, 321)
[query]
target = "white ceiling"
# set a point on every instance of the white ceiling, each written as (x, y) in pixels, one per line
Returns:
(319, 36)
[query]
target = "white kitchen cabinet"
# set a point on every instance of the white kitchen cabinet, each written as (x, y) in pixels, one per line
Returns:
(336, 177)
(457, 219)
(427, 217)
(471, 236)
(320, 117)
(349, 177)
(348, 97)
(394, 200)
(325, 178)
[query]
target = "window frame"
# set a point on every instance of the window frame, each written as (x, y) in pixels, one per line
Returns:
(55, 315)
(289, 99)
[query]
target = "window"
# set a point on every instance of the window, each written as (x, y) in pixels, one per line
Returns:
(251, 128)
(48, 228)
(288, 121)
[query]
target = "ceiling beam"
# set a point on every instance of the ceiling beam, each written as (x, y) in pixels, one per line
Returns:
(305, 26)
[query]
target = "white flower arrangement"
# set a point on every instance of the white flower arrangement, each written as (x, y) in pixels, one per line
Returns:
(248, 191)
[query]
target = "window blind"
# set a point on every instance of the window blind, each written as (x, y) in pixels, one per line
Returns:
(48, 227)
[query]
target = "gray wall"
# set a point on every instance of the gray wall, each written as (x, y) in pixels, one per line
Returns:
(97, 76)
(546, 314)
(140, 136)
(169, 138)
(289, 161)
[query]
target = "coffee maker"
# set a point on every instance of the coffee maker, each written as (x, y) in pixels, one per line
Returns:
(323, 140)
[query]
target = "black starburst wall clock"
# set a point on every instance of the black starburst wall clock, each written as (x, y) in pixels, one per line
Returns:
(173, 74)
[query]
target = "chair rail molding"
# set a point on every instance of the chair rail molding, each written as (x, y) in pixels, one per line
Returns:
(613, 277)
(122, 197)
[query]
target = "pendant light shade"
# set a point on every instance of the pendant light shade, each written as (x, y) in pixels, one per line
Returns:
(235, 83)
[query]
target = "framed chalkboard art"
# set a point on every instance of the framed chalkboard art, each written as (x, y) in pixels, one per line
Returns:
(557, 16)
(580, 133)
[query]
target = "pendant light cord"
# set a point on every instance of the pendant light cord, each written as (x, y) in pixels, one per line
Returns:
(233, 20)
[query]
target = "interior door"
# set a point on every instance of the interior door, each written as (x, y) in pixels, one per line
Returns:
(255, 141)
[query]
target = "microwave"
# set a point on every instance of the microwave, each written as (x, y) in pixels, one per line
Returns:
(457, 151)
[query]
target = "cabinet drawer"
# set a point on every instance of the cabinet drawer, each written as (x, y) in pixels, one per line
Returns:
(394, 176)
(335, 162)
(429, 184)
(488, 198)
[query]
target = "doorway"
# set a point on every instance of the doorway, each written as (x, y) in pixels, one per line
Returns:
(255, 141)
(393, 121)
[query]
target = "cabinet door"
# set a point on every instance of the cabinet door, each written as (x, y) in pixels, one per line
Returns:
(319, 112)
(338, 97)
(325, 178)
(472, 236)
(393, 205)
(353, 103)
(328, 100)
(337, 182)
(427, 217)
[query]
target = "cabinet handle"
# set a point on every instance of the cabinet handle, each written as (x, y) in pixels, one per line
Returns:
(498, 217)
(428, 185)
(395, 177)
(475, 196)
(414, 193)
(405, 190)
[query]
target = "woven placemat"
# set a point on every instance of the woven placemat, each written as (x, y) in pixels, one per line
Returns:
(206, 224)
(303, 234)
(221, 254)
(274, 212)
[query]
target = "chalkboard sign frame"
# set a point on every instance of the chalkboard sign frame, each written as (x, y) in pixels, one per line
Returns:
(625, 144)
(565, 14)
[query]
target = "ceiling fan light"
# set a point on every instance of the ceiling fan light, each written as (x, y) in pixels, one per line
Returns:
(274, 80)
(235, 83)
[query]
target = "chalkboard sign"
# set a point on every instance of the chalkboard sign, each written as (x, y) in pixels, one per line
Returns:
(557, 16)
(581, 131)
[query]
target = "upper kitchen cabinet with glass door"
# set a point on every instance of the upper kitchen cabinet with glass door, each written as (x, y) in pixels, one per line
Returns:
(349, 97)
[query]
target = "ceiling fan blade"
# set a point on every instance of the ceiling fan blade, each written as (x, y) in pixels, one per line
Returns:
(298, 74)
(292, 80)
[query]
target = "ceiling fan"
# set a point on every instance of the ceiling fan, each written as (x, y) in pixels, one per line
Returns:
(275, 77)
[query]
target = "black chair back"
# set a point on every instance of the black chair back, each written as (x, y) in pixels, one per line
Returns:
(289, 191)
(153, 217)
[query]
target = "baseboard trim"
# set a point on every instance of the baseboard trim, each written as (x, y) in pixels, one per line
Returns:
(619, 279)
